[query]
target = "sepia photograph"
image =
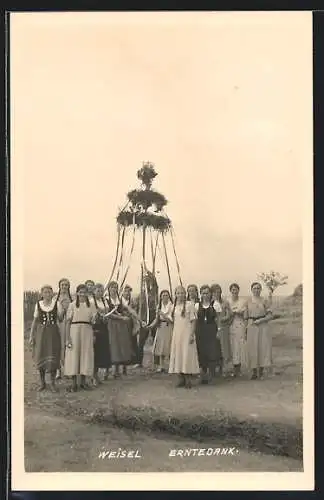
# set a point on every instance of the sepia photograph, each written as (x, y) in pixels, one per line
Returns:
(161, 215)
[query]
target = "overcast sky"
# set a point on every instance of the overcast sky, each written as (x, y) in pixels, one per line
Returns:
(220, 103)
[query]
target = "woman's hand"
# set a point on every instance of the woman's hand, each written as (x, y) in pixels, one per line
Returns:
(192, 338)
(69, 343)
(31, 341)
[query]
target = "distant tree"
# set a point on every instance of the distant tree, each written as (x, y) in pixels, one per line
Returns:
(272, 281)
(298, 292)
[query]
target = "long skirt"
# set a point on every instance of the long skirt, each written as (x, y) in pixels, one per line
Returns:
(237, 341)
(102, 358)
(120, 342)
(259, 346)
(208, 345)
(225, 343)
(62, 327)
(47, 348)
(183, 355)
(79, 359)
(162, 340)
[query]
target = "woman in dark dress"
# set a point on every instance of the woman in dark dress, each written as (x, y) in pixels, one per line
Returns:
(208, 343)
(45, 336)
(118, 328)
(102, 358)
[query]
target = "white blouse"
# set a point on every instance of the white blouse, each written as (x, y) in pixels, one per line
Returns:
(48, 308)
(216, 305)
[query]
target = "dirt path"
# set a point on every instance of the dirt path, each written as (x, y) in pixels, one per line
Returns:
(61, 444)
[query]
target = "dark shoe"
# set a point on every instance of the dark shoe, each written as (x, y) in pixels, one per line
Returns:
(254, 375)
(85, 387)
(42, 387)
(188, 384)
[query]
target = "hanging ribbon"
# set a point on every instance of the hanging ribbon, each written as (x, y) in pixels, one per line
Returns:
(175, 254)
(152, 248)
(116, 257)
(167, 263)
(155, 249)
(121, 253)
(130, 257)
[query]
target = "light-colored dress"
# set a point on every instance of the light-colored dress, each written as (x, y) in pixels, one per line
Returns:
(183, 355)
(259, 341)
(163, 336)
(79, 359)
(64, 301)
(237, 331)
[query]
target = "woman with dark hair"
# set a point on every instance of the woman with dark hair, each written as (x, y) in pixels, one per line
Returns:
(101, 336)
(208, 343)
(164, 324)
(259, 343)
(118, 328)
(223, 325)
(183, 355)
(64, 298)
(237, 327)
(90, 284)
(45, 336)
(193, 294)
(79, 357)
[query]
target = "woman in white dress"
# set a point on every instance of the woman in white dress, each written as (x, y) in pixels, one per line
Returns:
(183, 355)
(164, 323)
(237, 328)
(259, 342)
(79, 357)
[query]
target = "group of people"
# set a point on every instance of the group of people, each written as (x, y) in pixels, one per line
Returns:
(199, 332)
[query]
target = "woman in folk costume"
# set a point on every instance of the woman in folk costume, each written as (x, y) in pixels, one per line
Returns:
(102, 357)
(133, 322)
(164, 323)
(193, 294)
(118, 328)
(208, 343)
(259, 342)
(183, 355)
(64, 298)
(45, 336)
(237, 328)
(223, 326)
(79, 356)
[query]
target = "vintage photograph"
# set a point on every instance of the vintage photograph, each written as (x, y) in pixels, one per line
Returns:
(161, 169)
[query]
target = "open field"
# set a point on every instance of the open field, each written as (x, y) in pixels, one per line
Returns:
(263, 419)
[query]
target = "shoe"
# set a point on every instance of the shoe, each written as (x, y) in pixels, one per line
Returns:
(42, 387)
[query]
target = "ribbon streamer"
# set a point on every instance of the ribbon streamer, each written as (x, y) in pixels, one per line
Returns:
(121, 253)
(167, 263)
(116, 257)
(175, 254)
(130, 257)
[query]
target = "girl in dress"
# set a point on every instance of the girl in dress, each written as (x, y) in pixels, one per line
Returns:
(237, 328)
(101, 336)
(208, 343)
(164, 323)
(118, 328)
(223, 326)
(259, 342)
(65, 299)
(79, 356)
(45, 336)
(183, 355)
(193, 294)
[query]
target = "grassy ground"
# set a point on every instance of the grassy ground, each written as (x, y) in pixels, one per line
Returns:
(64, 431)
